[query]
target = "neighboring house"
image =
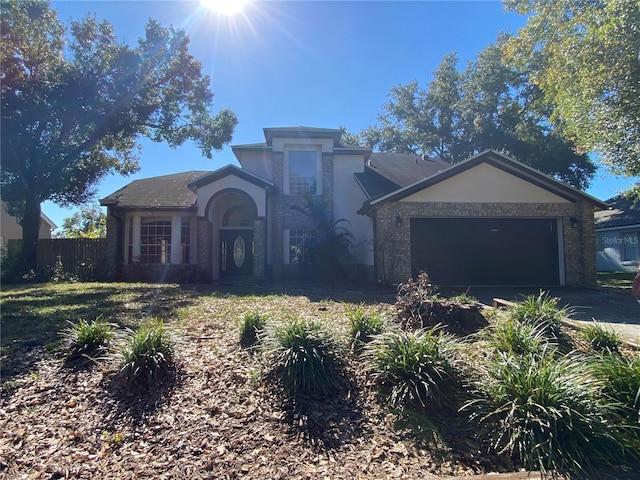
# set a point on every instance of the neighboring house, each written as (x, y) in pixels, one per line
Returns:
(486, 221)
(10, 229)
(617, 236)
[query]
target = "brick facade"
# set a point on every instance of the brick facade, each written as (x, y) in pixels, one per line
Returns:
(393, 233)
(283, 217)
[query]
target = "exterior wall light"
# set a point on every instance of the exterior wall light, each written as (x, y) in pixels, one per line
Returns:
(399, 221)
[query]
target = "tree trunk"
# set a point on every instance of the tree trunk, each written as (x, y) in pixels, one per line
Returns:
(30, 233)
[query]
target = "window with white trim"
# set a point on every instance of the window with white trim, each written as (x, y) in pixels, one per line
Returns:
(185, 240)
(303, 245)
(155, 240)
(303, 172)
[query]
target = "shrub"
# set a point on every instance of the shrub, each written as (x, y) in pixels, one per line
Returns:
(600, 337)
(88, 338)
(414, 368)
(549, 413)
(363, 325)
(514, 337)
(418, 306)
(251, 325)
(147, 354)
(411, 297)
(302, 358)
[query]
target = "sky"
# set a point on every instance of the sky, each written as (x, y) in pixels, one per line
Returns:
(311, 63)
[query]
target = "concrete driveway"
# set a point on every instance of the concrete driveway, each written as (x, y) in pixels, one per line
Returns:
(613, 306)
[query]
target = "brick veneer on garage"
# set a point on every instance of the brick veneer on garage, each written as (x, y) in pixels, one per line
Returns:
(580, 264)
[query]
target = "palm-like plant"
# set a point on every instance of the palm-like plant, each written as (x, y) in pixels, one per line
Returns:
(334, 240)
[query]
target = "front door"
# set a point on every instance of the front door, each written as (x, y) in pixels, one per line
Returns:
(236, 252)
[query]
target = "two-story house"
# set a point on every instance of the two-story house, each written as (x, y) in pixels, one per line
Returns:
(489, 220)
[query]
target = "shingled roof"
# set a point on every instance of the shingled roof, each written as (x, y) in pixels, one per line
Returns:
(387, 172)
(622, 212)
(166, 191)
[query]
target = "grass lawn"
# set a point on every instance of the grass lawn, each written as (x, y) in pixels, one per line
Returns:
(616, 279)
(218, 416)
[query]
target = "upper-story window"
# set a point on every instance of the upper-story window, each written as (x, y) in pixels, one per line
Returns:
(303, 172)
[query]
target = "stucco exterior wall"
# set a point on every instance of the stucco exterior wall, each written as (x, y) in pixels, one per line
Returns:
(485, 184)
(257, 163)
(206, 192)
(348, 197)
(575, 222)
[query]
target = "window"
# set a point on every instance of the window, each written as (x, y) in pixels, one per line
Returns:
(302, 245)
(303, 172)
(185, 240)
(155, 240)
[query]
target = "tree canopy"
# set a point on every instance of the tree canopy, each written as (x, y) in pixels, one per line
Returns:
(76, 101)
(585, 57)
(487, 105)
(89, 222)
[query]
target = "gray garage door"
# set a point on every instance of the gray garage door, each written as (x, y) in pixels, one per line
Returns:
(485, 251)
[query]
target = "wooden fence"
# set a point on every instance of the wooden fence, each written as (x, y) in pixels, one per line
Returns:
(81, 257)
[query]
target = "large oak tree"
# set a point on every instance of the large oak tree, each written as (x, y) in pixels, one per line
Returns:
(487, 105)
(585, 56)
(75, 103)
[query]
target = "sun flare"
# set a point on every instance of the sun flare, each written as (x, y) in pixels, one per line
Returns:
(225, 7)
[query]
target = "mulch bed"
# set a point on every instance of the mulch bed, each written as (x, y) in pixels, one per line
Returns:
(215, 419)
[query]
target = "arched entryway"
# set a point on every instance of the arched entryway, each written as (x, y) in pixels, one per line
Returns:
(233, 214)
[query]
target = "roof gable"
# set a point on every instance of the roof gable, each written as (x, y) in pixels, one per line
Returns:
(497, 161)
(485, 183)
(226, 171)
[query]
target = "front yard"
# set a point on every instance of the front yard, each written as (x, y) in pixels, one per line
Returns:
(217, 416)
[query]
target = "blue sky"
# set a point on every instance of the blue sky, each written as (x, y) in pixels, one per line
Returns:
(320, 64)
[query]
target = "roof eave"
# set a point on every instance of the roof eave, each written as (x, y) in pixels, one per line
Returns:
(503, 162)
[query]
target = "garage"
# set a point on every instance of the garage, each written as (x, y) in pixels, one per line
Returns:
(486, 251)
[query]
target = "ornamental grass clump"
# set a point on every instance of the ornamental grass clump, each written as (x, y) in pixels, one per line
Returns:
(147, 355)
(622, 382)
(88, 338)
(250, 327)
(363, 326)
(542, 310)
(302, 358)
(549, 413)
(601, 338)
(414, 368)
(514, 337)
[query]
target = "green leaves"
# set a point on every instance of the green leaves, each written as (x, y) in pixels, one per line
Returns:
(490, 104)
(549, 413)
(302, 358)
(75, 102)
(415, 368)
(585, 57)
